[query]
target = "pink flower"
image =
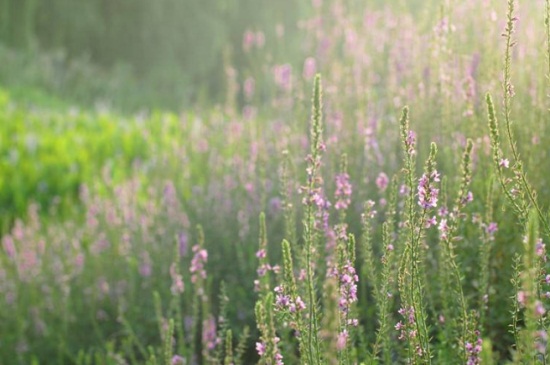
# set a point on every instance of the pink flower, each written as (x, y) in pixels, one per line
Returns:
(539, 308)
(177, 360)
(248, 40)
(521, 297)
(343, 192)
(260, 348)
(342, 340)
(382, 181)
(310, 67)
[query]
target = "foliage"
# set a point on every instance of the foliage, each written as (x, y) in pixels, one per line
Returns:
(246, 234)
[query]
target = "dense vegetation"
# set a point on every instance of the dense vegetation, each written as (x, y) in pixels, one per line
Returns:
(392, 211)
(162, 53)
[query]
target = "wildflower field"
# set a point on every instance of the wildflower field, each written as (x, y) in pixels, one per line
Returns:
(373, 189)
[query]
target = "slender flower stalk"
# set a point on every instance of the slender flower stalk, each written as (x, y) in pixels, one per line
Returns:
(289, 303)
(527, 192)
(410, 278)
(343, 189)
(168, 347)
(289, 209)
(448, 235)
(383, 298)
(267, 348)
(517, 204)
(369, 268)
(263, 282)
(228, 359)
(528, 296)
(488, 231)
(314, 164)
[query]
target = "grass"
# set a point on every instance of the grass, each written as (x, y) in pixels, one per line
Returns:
(346, 229)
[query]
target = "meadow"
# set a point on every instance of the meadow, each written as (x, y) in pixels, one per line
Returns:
(373, 190)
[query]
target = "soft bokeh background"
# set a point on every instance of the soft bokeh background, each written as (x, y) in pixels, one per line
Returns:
(164, 53)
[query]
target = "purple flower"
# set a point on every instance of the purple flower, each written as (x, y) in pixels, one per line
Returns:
(283, 76)
(260, 348)
(348, 286)
(342, 340)
(443, 229)
(540, 249)
(261, 253)
(492, 228)
(248, 40)
(382, 181)
(504, 162)
(427, 193)
(431, 222)
(209, 334)
(410, 143)
(310, 67)
(249, 87)
(474, 351)
(177, 360)
(182, 242)
(468, 198)
(285, 302)
(197, 263)
(343, 191)
(177, 280)
(521, 298)
(145, 269)
(539, 308)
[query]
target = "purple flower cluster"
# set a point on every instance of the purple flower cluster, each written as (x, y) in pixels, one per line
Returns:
(210, 337)
(382, 181)
(540, 249)
(468, 198)
(408, 314)
(253, 39)
(539, 308)
(322, 214)
(343, 191)
(261, 348)
(264, 268)
(177, 280)
(407, 331)
(427, 193)
(410, 143)
(541, 341)
(310, 68)
(197, 263)
(342, 340)
(348, 287)
(491, 229)
(443, 229)
(284, 302)
(178, 360)
(474, 350)
(282, 75)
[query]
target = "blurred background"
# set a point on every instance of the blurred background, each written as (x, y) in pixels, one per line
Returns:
(138, 53)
